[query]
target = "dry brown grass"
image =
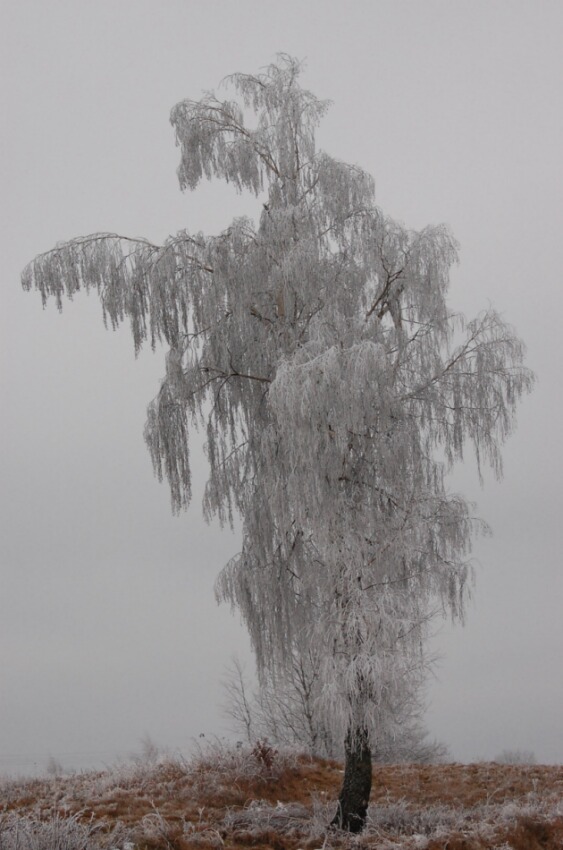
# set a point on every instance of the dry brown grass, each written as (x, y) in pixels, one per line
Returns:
(254, 799)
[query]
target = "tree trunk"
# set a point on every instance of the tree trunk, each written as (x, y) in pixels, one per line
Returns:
(356, 787)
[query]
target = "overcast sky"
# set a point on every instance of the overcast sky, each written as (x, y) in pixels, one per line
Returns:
(108, 625)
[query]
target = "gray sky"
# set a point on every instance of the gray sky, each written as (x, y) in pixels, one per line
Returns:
(108, 625)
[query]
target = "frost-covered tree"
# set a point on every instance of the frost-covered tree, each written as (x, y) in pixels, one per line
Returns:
(284, 708)
(337, 389)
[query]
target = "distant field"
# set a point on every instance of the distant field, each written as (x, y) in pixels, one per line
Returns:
(241, 798)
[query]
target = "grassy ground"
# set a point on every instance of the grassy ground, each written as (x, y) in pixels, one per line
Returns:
(259, 798)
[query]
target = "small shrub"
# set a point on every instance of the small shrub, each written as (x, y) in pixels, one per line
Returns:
(54, 767)
(264, 754)
(515, 757)
(219, 761)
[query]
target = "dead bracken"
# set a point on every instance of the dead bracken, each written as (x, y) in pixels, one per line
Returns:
(234, 798)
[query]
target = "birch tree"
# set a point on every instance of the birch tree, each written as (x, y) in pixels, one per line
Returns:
(283, 709)
(336, 387)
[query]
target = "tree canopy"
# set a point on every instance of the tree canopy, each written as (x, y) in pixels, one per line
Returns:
(336, 387)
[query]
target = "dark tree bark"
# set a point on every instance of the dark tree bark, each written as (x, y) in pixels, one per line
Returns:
(356, 787)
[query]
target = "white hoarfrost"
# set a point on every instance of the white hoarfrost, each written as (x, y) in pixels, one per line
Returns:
(336, 386)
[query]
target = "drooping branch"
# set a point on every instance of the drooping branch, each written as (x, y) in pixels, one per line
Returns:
(147, 283)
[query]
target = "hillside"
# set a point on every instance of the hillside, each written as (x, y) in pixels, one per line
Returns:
(237, 798)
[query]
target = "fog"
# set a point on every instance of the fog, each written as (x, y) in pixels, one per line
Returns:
(108, 625)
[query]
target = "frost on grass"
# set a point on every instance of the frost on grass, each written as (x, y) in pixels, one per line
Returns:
(58, 833)
(229, 796)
